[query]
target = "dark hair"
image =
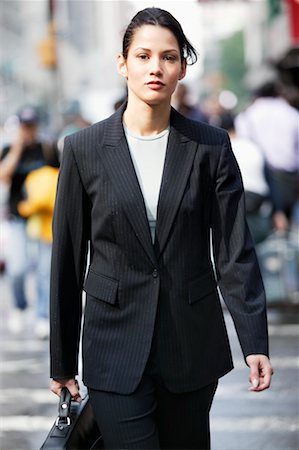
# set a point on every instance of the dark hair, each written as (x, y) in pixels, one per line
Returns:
(226, 121)
(157, 16)
(28, 115)
(269, 89)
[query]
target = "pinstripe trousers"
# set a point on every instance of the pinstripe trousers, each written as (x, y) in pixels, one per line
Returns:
(152, 417)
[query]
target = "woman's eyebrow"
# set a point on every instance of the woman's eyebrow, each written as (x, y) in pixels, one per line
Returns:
(143, 49)
(149, 50)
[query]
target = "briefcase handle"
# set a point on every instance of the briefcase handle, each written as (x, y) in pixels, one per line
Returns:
(64, 409)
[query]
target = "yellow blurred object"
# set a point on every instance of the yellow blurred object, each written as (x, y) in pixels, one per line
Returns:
(47, 49)
(34, 226)
(40, 186)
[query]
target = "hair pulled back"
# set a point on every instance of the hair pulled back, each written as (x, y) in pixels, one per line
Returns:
(157, 16)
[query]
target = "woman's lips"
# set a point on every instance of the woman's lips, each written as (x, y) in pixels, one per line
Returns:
(155, 85)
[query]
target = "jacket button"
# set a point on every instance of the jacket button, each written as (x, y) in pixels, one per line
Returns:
(155, 273)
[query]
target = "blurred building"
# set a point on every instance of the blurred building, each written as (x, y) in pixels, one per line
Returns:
(272, 33)
(48, 63)
(22, 78)
(57, 51)
(89, 38)
(260, 35)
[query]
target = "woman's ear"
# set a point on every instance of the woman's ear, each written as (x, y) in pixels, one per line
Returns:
(183, 70)
(122, 66)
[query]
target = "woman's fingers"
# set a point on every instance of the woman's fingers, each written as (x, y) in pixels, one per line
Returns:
(260, 372)
(71, 384)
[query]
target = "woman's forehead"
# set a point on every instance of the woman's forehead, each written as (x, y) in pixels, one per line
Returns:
(148, 36)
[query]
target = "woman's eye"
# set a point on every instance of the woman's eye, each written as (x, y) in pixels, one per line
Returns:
(170, 58)
(143, 57)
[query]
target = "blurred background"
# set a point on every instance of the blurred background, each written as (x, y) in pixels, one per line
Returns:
(58, 52)
(58, 75)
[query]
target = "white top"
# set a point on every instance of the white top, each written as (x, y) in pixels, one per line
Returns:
(251, 162)
(148, 156)
(274, 126)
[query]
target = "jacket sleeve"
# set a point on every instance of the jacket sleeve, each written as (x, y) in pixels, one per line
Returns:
(236, 264)
(70, 243)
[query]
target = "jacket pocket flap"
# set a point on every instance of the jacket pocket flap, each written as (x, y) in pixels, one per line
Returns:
(201, 287)
(101, 287)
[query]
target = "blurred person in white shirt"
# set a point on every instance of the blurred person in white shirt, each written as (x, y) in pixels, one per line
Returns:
(252, 166)
(273, 125)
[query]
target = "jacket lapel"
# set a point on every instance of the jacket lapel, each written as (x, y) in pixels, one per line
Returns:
(116, 157)
(117, 160)
(179, 159)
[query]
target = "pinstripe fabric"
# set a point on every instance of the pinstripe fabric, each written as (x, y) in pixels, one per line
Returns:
(154, 418)
(142, 296)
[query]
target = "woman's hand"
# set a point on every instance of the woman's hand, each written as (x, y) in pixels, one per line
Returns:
(260, 372)
(70, 383)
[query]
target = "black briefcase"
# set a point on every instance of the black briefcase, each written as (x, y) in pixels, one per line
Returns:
(75, 427)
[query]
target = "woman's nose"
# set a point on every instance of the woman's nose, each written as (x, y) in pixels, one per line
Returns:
(156, 66)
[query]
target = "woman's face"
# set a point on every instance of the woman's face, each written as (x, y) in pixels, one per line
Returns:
(153, 66)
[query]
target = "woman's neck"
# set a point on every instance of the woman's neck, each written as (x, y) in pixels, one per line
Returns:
(146, 120)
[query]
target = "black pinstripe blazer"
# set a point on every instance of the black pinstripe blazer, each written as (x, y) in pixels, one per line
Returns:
(140, 294)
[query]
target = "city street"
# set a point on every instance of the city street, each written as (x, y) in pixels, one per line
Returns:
(160, 130)
(240, 420)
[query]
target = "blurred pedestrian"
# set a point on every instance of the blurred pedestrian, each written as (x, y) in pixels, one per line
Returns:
(18, 160)
(215, 110)
(38, 207)
(274, 126)
(184, 104)
(252, 166)
(154, 338)
(73, 121)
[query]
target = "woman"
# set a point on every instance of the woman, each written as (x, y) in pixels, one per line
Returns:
(145, 187)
